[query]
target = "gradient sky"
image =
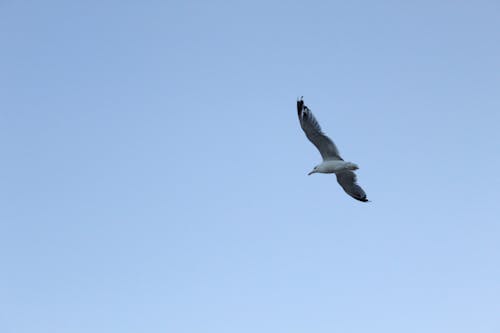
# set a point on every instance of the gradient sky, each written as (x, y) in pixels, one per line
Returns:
(153, 171)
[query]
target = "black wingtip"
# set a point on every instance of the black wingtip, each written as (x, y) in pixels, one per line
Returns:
(361, 198)
(300, 105)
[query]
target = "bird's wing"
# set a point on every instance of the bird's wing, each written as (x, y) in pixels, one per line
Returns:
(313, 131)
(347, 179)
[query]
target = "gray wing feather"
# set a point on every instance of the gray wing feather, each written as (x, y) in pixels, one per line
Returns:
(347, 179)
(313, 131)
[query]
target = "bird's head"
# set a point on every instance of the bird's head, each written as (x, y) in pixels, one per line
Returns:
(314, 170)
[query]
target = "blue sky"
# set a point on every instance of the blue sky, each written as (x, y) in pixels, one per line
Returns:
(153, 173)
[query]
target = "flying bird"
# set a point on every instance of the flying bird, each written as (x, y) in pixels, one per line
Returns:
(332, 162)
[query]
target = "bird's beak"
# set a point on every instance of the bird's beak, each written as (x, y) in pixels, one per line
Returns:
(310, 173)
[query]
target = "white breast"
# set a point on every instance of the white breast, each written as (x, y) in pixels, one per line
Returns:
(333, 166)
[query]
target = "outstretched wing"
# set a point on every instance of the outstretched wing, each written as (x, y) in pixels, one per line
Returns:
(313, 131)
(347, 179)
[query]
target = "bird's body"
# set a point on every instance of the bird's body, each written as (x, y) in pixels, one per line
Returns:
(335, 166)
(332, 162)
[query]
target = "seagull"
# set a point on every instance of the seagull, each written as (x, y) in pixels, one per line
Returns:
(332, 162)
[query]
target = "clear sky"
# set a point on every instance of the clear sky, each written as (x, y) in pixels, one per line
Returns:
(153, 171)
